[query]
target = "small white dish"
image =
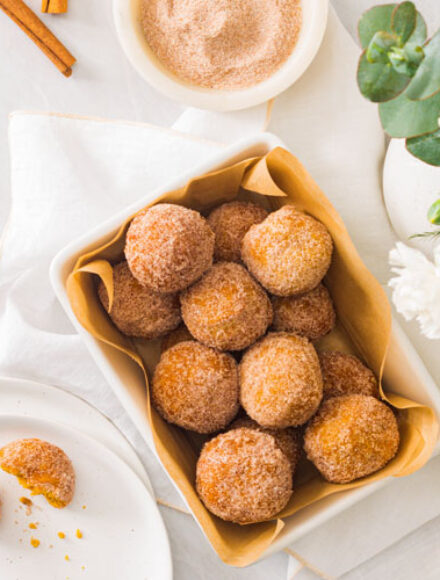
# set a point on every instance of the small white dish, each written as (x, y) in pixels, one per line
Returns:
(123, 532)
(144, 61)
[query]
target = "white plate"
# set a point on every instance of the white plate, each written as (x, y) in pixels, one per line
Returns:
(123, 533)
(33, 399)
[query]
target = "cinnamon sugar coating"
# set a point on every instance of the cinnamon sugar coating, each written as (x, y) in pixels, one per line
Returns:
(288, 440)
(227, 309)
(180, 334)
(242, 476)
(350, 437)
(41, 467)
(289, 252)
(196, 387)
(311, 314)
(280, 381)
(230, 222)
(136, 310)
(345, 374)
(168, 247)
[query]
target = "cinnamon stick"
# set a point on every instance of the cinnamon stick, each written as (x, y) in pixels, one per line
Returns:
(54, 6)
(29, 22)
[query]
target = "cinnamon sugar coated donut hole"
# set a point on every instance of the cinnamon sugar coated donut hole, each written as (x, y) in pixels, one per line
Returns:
(227, 309)
(288, 440)
(136, 310)
(196, 387)
(350, 437)
(41, 467)
(180, 334)
(280, 381)
(168, 247)
(345, 374)
(242, 476)
(230, 222)
(311, 314)
(289, 252)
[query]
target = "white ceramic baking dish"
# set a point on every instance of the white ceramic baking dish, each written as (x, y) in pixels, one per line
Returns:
(404, 372)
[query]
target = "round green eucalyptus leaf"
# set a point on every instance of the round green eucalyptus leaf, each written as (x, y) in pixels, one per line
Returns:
(426, 148)
(434, 213)
(426, 81)
(378, 81)
(403, 20)
(402, 117)
(379, 18)
(373, 20)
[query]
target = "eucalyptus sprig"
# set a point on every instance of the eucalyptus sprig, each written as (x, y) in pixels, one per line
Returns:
(433, 217)
(400, 69)
(434, 213)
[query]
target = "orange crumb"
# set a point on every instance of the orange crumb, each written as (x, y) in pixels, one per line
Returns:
(35, 543)
(61, 535)
(84, 507)
(28, 503)
(66, 557)
(79, 534)
(33, 526)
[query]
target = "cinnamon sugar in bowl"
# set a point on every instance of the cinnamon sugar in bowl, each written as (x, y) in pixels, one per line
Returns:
(222, 44)
(220, 54)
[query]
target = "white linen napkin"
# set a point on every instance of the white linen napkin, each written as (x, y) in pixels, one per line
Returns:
(68, 174)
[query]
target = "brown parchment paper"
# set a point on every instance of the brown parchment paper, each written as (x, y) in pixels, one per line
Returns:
(364, 326)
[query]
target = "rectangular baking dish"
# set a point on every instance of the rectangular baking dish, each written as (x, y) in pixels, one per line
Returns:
(404, 371)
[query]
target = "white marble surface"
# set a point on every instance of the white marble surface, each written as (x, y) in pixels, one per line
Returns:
(104, 85)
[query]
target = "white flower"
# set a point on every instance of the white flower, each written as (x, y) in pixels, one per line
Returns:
(416, 288)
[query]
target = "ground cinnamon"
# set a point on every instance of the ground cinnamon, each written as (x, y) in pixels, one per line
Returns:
(222, 44)
(54, 6)
(29, 22)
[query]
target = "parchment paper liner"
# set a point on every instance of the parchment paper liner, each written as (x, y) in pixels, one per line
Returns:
(364, 328)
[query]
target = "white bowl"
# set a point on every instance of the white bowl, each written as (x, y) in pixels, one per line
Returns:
(404, 371)
(144, 61)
